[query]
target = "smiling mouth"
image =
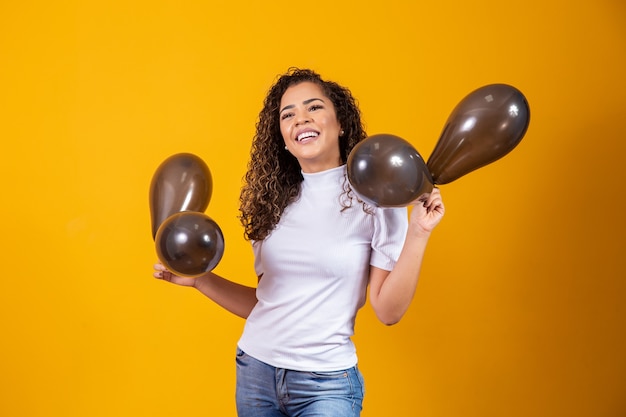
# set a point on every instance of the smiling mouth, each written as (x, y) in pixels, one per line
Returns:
(306, 135)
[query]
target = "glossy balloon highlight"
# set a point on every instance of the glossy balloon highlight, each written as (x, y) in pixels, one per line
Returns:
(189, 243)
(182, 182)
(486, 125)
(387, 171)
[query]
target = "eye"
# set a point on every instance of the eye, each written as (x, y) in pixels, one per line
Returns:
(314, 107)
(286, 115)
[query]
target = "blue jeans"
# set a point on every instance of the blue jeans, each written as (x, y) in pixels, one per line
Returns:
(266, 391)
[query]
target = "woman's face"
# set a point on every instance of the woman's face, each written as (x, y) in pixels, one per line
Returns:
(309, 126)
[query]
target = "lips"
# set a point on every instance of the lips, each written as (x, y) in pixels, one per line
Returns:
(306, 135)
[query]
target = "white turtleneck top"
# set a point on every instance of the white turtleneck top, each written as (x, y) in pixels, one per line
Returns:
(315, 269)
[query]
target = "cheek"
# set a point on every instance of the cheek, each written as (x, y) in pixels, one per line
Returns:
(284, 131)
(331, 125)
(331, 121)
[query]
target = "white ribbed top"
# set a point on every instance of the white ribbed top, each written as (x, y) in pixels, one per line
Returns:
(315, 268)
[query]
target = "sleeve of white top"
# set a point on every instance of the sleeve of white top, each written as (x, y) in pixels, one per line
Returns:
(390, 227)
(256, 249)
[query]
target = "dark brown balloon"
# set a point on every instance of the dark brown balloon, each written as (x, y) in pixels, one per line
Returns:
(486, 125)
(387, 171)
(182, 182)
(189, 243)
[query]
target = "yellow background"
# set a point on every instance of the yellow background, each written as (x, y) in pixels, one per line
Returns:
(521, 308)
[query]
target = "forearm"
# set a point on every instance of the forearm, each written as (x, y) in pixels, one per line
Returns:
(236, 298)
(393, 297)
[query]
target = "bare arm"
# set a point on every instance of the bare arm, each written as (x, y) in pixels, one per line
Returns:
(236, 298)
(391, 292)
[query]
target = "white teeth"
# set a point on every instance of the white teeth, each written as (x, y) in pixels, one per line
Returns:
(306, 135)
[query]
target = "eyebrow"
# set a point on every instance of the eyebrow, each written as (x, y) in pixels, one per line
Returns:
(305, 102)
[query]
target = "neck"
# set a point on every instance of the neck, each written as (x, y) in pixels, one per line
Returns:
(311, 167)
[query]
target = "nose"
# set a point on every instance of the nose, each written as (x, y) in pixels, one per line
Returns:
(302, 118)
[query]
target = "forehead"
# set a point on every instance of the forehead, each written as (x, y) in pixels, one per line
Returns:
(303, 91)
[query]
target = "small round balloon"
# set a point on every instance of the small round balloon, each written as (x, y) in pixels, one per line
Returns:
(182, 182)
(387, 171)
(189, 243)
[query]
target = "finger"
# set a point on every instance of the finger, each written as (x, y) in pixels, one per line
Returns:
(434, 203)
(426, 198)
(164, 275)
(161, 272)
(421, 200)
(434, 196)
(435, 193)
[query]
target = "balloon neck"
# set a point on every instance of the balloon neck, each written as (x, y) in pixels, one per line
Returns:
(431, 178)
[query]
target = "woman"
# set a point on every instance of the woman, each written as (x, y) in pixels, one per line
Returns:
(317, 247)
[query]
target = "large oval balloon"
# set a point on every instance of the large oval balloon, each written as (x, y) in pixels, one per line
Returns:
(189, 243)
(182, 182)
(486, 125)
(387, 171)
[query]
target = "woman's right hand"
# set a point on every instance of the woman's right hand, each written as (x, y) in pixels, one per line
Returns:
(161, 272)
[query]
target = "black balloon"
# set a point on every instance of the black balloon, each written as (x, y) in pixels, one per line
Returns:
(486, 125)
(189, 243)
(387, 171)
(182, 182)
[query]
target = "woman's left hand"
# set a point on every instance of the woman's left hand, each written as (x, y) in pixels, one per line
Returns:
(428, 211)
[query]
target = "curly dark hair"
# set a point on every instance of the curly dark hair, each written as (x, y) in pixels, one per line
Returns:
(274, 175)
